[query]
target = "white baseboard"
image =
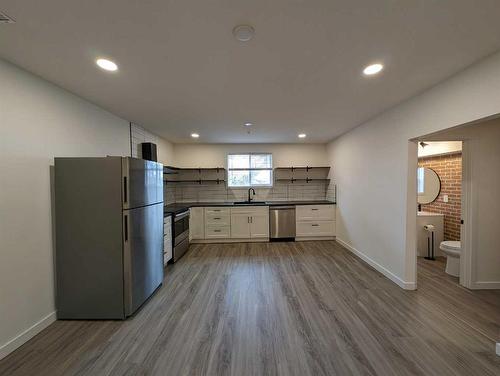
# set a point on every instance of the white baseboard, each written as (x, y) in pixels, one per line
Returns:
(394, 278)
(25, 336)
(313, 238)
(485, 285)
(228, 240)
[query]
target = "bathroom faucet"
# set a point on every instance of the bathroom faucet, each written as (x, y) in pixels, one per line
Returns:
(253, 191)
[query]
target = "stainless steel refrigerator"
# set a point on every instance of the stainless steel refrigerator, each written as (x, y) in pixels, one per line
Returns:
(109, 235)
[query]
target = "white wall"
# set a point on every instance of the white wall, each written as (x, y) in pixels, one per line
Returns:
(164, 148)
(214, 155)
(373, 167)
(38, 121)
(439, 148)
(483, 159)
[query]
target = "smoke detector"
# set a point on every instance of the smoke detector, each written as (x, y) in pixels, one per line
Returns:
(4, 19)
(243, 33)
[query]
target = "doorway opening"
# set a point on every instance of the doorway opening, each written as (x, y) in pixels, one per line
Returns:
(479, 247)
(439, 216)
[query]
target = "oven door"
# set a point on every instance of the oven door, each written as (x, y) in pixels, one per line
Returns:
(181, 227)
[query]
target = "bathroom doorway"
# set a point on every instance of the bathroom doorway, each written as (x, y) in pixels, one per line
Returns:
(439, 216)
(479, 254)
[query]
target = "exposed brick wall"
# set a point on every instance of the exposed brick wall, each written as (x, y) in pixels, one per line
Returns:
(449, 170)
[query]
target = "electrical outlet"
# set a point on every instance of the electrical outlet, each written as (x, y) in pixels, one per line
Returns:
(445, 198)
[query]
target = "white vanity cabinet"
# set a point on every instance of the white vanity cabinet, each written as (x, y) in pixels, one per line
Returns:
(196, 224)
(250, 222)
(167, 239)
(315, 222)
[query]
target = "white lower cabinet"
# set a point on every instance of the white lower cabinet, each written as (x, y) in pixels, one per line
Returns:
(259, 225)
(229, 223)
(167, 239)
(217, 232)
(240, 225)
(315, 228)
(196, 224)
(217, 223)
(315, 222)
(250, 222)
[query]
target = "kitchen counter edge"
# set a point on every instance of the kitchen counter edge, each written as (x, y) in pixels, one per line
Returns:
(172, 209)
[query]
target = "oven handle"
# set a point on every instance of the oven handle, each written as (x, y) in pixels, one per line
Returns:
(180, 216)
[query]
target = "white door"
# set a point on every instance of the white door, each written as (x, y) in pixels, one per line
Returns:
(196, 223)
(240, 225)
(259, 225)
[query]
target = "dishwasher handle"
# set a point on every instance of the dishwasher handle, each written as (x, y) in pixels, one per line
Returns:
(282, 208)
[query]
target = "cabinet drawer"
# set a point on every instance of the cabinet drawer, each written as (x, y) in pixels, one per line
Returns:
(216, 211)
(217, 232)
(255, 210)
(217, 219)
(315, 228)
(315, 212)
(167, 224)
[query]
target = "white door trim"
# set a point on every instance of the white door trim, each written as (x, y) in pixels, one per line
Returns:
(466, 231)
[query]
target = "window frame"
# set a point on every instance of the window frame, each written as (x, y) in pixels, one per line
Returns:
(270, 169)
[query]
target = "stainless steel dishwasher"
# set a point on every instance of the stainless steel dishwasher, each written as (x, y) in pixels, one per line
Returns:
(282, 222)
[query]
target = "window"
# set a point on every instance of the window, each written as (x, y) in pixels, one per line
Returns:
(250, 170)
(420, 181)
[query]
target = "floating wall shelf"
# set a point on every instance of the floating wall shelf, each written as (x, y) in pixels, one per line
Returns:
(174, 170)
(198, 181)
(307, 168)
(307, 180)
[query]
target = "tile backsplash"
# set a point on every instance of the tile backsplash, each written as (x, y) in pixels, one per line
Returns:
(138, 135)
(281, 191)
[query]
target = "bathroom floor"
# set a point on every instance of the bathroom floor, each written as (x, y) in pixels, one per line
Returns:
(310, 308)
(434, 269)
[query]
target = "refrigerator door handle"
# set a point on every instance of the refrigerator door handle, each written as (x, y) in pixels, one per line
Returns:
(125, 230)
(127, 273)
(125, 193)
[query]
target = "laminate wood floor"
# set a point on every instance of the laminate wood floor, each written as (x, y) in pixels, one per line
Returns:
(309, 308)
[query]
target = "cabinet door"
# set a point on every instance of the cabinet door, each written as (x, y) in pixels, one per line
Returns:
(167, 239)
(240, 226)
(196, 223)
(259, 226)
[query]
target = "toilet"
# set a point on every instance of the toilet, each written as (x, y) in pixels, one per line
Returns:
(452, 249)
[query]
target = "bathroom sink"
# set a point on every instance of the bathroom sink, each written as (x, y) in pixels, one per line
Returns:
(249, 202)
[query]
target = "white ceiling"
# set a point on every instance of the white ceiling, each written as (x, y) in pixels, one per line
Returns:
(181, 70)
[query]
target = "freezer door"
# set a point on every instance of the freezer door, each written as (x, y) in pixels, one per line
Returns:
(142, 182)
(143, 254)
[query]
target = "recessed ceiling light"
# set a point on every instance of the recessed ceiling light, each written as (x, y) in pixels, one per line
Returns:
(373, 69)
(248, 124)
(243, 32)
(107, 65)
(195, 135)
(302, 135)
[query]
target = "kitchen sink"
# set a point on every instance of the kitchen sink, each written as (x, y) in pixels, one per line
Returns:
(249, 202)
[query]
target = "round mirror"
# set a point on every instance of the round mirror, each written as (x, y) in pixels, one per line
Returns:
(428, 185)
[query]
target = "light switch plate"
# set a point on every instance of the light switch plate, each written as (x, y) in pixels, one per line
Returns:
(445, 198)
(498, 349)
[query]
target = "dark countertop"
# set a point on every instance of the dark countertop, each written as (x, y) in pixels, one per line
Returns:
(183, 206)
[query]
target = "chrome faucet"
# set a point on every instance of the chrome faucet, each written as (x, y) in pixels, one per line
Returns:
(253, 191)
